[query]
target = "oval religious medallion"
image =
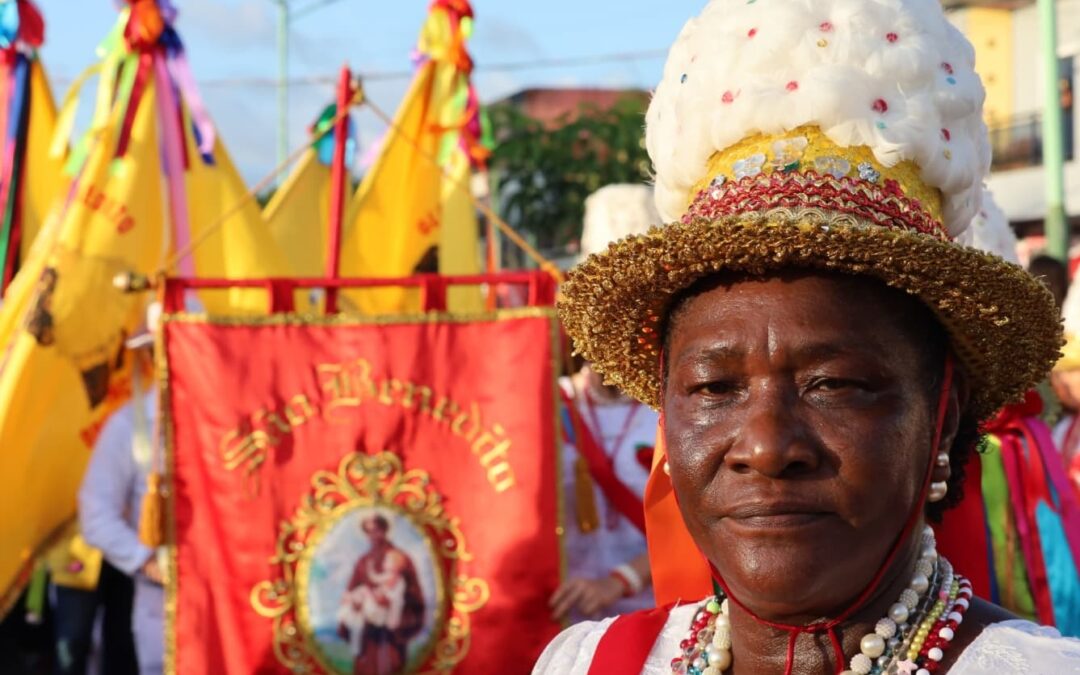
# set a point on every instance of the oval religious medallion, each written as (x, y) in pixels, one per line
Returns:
(370, 575)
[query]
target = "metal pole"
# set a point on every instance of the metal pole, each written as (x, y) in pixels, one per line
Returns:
(1056, 222)
(493, 259)
(311, 7)
(283, 87)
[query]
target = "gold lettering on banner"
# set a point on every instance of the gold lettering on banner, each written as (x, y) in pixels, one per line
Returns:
(467, 423)
(347, 386)
(248, 446)
(244, 450)
(299, 410)
(408, 399)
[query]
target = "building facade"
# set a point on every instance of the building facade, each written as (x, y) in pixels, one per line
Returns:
(1006, 36)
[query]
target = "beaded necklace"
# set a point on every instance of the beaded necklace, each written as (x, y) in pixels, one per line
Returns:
(912, 639)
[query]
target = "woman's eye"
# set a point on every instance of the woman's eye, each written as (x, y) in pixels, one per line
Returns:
(835, 390)
(718, 388)
(836, 384)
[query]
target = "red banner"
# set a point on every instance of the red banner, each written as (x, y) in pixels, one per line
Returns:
(353, 497)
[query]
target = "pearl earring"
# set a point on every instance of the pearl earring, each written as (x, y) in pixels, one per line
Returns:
(667, 468)
(937, 491)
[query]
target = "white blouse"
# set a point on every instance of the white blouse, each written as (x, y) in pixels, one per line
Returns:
(1013, 647)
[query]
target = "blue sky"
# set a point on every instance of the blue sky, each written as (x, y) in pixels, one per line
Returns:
(233, 42)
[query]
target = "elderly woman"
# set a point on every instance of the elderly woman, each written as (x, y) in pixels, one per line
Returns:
(820, 346)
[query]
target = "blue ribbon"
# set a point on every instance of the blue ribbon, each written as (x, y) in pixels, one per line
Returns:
(9, 23)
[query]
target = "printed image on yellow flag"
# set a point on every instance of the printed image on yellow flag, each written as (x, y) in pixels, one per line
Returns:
(397, 208)
(63, 368)
(44, 178)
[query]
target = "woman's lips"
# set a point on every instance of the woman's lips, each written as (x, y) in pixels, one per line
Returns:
(766, 515)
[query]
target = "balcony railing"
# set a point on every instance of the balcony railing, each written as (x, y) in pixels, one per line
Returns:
(995, 4)
(1018, 142)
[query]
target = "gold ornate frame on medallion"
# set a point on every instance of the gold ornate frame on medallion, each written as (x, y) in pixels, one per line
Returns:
(368, 480)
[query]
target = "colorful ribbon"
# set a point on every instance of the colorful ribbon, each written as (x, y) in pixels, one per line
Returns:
(21, 23)
(1044, 507)
(444, 41)
(146, 35)
(180, 69)
(174, 155)
(323, 137)
(12, 161)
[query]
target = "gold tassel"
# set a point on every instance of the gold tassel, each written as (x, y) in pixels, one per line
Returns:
(152, 518)
(587, 516)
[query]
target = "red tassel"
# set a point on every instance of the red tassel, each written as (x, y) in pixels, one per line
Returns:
(145, 25)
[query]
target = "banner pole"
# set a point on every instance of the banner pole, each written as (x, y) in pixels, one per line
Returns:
(338, 174)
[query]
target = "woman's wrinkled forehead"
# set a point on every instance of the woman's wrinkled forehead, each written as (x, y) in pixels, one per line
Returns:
(807, 308)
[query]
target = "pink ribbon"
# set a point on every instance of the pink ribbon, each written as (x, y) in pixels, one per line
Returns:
(189, 90)
(172, 145)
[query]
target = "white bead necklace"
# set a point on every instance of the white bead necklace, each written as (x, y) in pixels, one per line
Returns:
(707, 650)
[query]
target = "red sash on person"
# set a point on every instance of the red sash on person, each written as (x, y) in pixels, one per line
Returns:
(602, 468)
(624, 648)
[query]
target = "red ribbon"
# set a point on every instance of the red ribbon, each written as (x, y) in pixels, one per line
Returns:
(142, 78)
(602, 470)
(31, 24)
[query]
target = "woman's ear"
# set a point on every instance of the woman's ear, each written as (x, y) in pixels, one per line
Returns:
(959, 396)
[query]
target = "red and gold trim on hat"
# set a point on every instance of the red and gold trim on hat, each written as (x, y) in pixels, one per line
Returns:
(804, 169)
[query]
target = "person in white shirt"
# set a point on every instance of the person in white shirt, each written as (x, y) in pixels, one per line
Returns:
(110, 505)
(607, 560)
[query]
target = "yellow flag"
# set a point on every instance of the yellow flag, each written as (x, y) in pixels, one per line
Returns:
(64, 369)
(396, 211)
(459, 236)
(240, 245)
(298, 214)
(43, 173)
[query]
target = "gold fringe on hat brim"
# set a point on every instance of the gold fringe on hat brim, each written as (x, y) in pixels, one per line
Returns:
(1003, 324)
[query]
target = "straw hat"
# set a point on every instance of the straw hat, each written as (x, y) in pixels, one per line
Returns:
(841, 135)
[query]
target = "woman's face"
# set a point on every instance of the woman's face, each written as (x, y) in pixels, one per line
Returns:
(799, 423)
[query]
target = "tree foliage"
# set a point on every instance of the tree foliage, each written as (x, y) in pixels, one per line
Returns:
(544, 174)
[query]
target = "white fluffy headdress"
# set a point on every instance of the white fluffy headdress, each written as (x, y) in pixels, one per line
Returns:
(990, 231)
(617, 211)
(892, 75)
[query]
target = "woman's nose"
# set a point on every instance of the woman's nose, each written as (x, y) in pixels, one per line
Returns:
(773, 441)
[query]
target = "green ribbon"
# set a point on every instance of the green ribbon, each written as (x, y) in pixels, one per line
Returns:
(35, 594)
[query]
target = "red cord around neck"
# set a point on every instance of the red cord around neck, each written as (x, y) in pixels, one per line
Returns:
(913, 518)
